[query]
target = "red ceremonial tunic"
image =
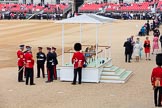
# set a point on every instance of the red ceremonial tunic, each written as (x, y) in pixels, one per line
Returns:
(20, 57)
(29, 60)
(147, 49)
(78, 59)
(156, 73)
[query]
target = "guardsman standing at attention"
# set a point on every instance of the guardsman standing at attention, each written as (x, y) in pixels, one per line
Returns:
(78, 60)
(50, 65)
(20, 56)
(41, 58)
(55, 62)
(156, 80)
(29, 64)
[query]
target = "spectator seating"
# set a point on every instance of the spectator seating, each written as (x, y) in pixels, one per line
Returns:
(145, 6)
(109, 7)
(92, 7)
(159, 6)
(30, 7)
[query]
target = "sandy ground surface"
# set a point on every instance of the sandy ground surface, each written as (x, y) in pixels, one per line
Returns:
(136, 93)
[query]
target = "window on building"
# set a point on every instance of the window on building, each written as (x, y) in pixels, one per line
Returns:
(105, 1)
(136, 0)
(42, 1)
(120, 1)
(31, 1)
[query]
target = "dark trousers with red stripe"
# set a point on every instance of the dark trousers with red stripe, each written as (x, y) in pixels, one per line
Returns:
(29, 75)
(50, 71)
(20, 74)
(157, 96)
(55, 73)
(40, 67)
(79, 72)
(25, 73)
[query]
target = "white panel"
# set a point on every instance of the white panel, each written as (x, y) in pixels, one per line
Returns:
(88, 74)
(50, 1)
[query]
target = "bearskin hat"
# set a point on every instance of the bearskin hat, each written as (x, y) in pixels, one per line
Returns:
(159, 59)
(77, 47)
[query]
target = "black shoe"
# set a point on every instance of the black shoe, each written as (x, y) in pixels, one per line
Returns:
(26, 84)
(79, 83)
(129, 62)
(37, 77)
(33, 84)
(22, 81)
(159, 105)
(73, 83)
(48, 81)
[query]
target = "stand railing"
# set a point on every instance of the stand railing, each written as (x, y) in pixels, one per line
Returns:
(41, 11)
(103, 53)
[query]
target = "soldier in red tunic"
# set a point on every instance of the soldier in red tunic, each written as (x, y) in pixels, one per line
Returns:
(20, 56)
(156, 80)
(29, 64)
(55, 62)
(78, 60)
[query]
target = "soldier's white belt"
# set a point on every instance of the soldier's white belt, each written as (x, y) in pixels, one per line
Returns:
(28, 61)
(40, 59)
(51, 61)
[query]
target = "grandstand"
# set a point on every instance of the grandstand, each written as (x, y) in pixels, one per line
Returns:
(37, 9)
(31, 1)
(118, 7)
(30, 7)
(159, 6)
(94, 7)
(27, 11)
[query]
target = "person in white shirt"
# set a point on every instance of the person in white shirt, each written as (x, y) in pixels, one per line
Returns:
(141, 49)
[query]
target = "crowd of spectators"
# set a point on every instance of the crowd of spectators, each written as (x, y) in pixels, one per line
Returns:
(147, 27)
(135, 48)
(39, 11)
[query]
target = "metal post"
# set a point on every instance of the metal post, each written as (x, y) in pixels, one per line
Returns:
(105, 51)
(109, 44)
(73, 6)
(62, 44)
(80, 33)
(96, 44)
(70, 57)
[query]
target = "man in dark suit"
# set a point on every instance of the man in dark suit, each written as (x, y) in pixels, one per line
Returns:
(55, 62)
(148, 27)
(161, 42)
(156, 32)
(41, 58)
(128, 49)
(50, 65)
